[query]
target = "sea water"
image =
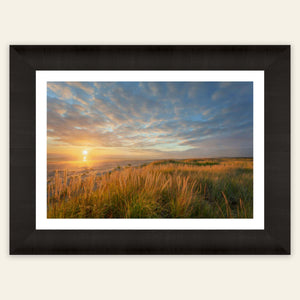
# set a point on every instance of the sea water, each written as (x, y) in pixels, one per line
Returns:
(86, 167)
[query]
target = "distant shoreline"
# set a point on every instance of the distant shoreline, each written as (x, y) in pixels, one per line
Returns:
(150, 159)
(101, 167)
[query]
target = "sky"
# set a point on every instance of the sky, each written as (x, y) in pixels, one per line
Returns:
(146, 120)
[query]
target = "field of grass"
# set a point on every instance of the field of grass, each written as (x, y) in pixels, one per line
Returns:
(192, 188)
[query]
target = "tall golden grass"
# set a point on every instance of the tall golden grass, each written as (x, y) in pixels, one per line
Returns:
(194, 188)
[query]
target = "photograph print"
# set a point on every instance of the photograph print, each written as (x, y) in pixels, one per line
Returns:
(149, 150)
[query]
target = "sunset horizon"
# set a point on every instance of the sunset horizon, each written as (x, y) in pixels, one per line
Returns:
(149, 120)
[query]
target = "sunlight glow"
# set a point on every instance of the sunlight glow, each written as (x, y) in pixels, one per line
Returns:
(182, 128)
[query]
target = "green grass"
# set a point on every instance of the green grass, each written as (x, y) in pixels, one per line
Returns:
(186, 162)
(193, 188)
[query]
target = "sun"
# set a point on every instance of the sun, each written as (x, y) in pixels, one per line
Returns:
(84, 152)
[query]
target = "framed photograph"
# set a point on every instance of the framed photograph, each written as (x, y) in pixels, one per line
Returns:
(149, 149)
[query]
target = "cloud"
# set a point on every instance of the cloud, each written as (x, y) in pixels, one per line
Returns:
(216, 95)
(80, 100)
(83, 86)
(63, 92)
(161, 118)
(225, 84)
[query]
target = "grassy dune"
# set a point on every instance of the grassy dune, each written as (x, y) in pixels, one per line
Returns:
(193, 188)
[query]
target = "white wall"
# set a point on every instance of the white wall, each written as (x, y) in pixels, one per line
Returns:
(149, 22)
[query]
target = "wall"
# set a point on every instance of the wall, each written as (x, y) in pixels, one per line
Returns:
(149, 22)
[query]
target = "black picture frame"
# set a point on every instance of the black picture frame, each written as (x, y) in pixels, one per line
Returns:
(26, 60)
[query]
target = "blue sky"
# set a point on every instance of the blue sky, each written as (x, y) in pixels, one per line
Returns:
(149, 119)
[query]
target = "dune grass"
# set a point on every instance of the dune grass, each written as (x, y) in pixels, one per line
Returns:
(193, 188)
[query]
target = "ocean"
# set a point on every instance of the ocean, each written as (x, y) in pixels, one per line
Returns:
(86, 167)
